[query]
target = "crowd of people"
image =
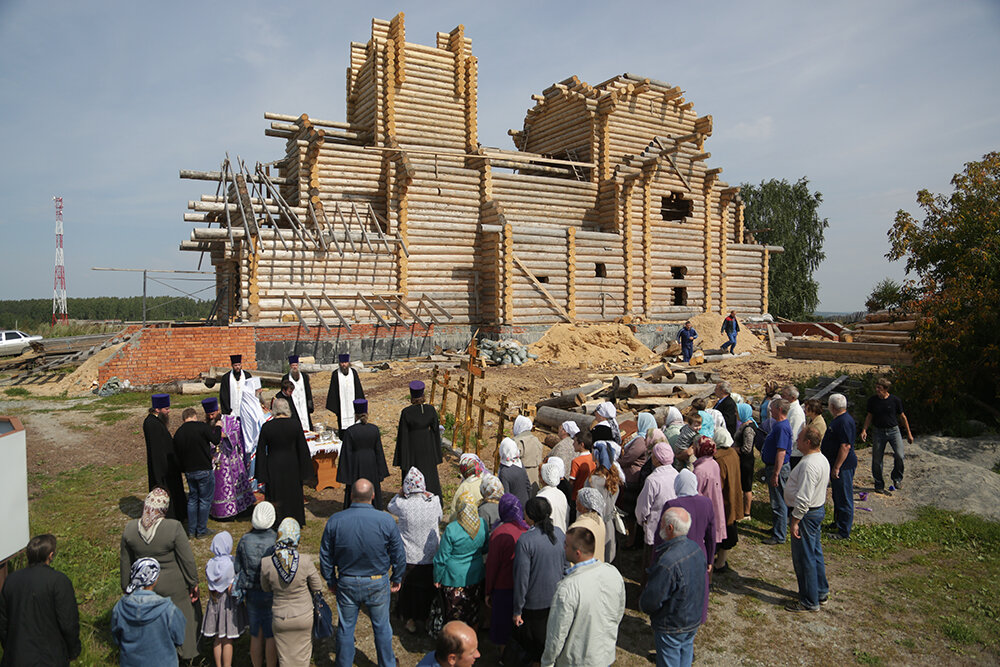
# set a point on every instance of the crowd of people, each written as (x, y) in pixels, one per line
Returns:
(525, 553)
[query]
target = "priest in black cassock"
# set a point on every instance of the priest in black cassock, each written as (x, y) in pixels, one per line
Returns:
(231, 385)
(302, 394)
(283, 464)
(361, 455)
(161, 462)
(345, 386)
(287, 394)
(418, 439)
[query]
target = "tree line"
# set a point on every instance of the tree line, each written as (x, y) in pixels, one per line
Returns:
(27, 313)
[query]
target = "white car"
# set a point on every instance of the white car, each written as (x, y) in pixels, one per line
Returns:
(15, 342)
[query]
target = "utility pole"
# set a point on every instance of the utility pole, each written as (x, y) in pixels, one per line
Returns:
(59, 313)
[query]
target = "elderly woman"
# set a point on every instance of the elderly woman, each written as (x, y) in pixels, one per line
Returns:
(251, 550)
(530, 449)
(552, 475)
(472, 469)
(148, 628)
(745, 436)
(658, 489)
(292, 578)
(590, 515)
(702, 529)
(418, 513)
(500, 568)
(634, 451)
(458, 564)
(564, 448)
(732, 497)
(605, 426)
(710, 482)
(165, 540)
(672, 424)
(608, 484)
(512, 473)
(489, 510)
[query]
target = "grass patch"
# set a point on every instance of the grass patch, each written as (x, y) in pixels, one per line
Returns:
(113, 417)
(957, 630)
(17, 391)
(866, 658)
(748, 608)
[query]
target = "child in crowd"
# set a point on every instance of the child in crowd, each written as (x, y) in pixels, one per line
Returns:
(225, 617)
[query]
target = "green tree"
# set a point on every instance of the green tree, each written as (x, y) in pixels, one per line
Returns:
(889, 295)
(954, 256)
(787, 214)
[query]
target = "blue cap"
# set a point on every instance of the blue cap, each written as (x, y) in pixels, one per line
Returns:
(210, 404)
(161, 400)
(360, 406)
(416, 389)
(343, 358)
(293, 359)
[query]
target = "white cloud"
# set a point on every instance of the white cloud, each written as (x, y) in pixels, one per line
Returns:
(757, 130)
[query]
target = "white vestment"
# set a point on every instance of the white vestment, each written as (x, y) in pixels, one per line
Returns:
(299, 399)
(252, 416)
(236, 391)
(345, 386)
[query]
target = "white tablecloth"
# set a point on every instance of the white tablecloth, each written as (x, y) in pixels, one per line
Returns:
(330, 447)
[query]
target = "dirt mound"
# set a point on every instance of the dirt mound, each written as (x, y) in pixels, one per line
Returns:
(710, 336)
(597, 344)
(80, 381)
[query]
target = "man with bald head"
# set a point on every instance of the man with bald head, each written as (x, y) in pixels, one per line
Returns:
(457, 646)
(360, 546)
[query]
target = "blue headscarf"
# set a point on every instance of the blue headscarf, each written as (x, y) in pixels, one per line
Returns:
(745, 412)
(602, 454)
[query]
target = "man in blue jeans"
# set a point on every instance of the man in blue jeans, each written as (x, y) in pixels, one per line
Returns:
(805, 494)
(194, 442)
(674, 596)
(774, 454)
(838, 448)
(885, 412)
(359, 546)
(730, 327)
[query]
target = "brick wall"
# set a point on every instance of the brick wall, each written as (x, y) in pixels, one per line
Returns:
(157, 355)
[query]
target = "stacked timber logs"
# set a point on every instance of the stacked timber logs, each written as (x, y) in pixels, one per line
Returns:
(900, 332)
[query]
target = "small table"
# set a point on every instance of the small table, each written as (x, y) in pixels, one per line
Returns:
(324, 457)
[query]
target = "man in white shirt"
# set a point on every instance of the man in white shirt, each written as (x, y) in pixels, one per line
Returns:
(796, 418)
(805, 494)
(587, 607)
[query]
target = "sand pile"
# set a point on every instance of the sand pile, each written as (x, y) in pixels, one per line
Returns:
(80, 381)
(597, 344)
(710, 336)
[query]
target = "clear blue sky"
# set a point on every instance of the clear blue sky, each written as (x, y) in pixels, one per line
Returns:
(103, 102)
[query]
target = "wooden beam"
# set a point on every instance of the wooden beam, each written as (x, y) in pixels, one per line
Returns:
(302, 320)
(318, 314)
(336, 312)
(374, 312)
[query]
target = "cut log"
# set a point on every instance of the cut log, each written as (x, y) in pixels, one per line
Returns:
(563, 401)
(553, 417)
(587, 389)
(657, 373)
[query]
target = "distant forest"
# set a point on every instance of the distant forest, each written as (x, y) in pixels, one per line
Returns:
(29, 313)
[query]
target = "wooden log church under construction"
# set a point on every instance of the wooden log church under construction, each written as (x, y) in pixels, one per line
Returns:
(398, 217)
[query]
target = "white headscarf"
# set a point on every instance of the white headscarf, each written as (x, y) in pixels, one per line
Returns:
(509, 456)
(570, 427)
(722, 438)
(720, 421)
(685, 483)
(553, 471)
(608, 411)
(521, 425)
(674, 416)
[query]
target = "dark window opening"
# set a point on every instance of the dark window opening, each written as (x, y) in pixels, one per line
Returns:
(680, 296)
(675, 208)
(678, 272)
(542, 279)
(600, 270)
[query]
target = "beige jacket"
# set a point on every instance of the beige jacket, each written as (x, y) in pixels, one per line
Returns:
(294, 598)
(532, 452)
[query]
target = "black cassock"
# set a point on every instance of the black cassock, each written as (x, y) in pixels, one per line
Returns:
(333, 395)
(418, 444)
(283, 466)
(162, 467)
(361, 457)
(224, 398)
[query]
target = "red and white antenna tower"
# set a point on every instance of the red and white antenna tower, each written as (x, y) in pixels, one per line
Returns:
(59, 313)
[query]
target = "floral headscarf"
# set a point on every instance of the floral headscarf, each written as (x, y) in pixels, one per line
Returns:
(664, 453)
(471, 465)
(591, 499)
(220, 570)
(704, 447)
(686, 483)
(521, 425)
(286, 549)
(144, 572)
(509, 455)
(491, 489)
(414, 483)
(154, 509)
(553, 471)
(657, 436)
(511, 511)
(468, 514)
(608, 411)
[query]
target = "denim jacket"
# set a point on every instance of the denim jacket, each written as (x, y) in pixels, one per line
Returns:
(253, 546)
(675, 593)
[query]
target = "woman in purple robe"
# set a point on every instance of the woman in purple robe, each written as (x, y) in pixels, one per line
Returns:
(233, 494)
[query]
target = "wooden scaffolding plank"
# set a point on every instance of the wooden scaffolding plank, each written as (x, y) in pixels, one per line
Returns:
(541, 288)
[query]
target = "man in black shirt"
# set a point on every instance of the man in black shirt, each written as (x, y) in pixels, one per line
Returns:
(885, 413)
(193, 443)
(39, 621)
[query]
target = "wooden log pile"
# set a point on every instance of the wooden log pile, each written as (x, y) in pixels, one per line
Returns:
(607, 208)
(861, 353)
